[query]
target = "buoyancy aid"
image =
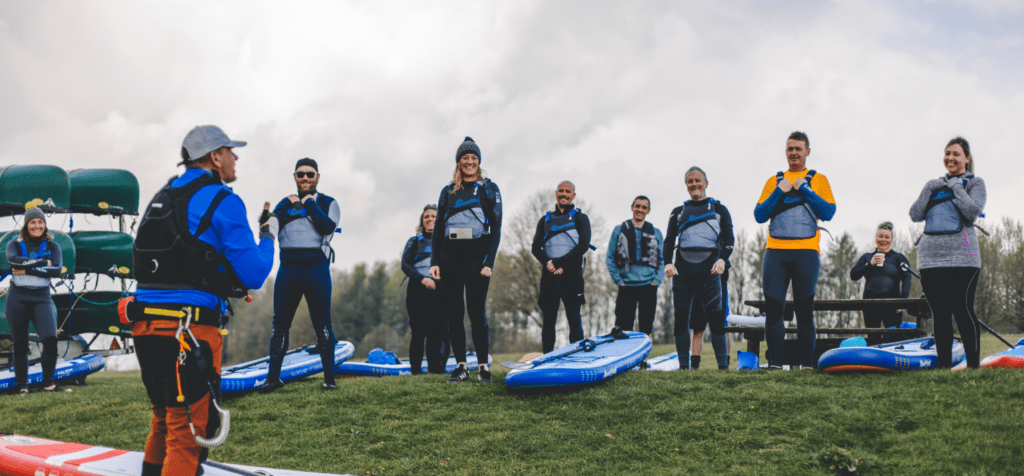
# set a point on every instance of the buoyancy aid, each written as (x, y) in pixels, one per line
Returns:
(625, 250)
(942, 215)
(699, 226)
(168, 256)
(793, 218)
(422, 259)
(465, 218)
(28, 280)
(560, 234)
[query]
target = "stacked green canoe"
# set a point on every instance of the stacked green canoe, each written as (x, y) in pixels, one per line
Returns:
(101, 192)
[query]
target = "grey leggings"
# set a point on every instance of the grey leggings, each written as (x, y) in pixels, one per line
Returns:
(26, 305)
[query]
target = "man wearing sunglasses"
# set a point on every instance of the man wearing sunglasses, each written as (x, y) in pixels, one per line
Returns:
(307, 220)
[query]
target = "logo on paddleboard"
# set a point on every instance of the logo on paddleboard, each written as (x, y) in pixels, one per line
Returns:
(17, 439)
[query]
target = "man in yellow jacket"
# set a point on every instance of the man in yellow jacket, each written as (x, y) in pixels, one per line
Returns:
(793, 201)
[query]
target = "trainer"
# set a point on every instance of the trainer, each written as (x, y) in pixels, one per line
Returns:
(424, 300)
(948, 255)
(471, 209)
(700, 238)
(794, 201)
(307, 220)
(193, 251)
(635, 264)
(886, 273)
(561, 240)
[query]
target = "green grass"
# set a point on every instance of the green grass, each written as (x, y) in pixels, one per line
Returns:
(704, 422)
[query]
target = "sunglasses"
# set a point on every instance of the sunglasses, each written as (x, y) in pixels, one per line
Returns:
(305, 174)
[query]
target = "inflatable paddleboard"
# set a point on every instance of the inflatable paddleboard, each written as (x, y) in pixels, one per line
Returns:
(66, 369)
(31, 456)
(298, 363)
(1007, 359)
(745, 321)
(367, 369)
(667, 362)
(913, 354)
(588, 361)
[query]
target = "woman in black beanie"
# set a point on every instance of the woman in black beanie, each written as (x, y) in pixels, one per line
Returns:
(469, 212)
(35, 259)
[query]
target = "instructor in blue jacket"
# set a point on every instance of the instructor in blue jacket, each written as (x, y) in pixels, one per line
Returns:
(307, 221)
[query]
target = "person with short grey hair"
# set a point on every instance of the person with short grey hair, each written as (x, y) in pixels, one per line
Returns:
(700, 240)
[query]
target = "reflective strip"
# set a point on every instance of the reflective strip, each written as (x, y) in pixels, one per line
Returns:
(153, 311)
(61, 459)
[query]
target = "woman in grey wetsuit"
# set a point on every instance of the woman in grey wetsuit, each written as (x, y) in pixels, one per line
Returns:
(34, 259)
(948, 254)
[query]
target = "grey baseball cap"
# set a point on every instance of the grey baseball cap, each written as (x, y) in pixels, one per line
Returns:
(205, 139)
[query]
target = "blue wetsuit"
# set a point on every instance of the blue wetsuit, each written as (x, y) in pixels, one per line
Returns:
(306, 229)
(427, 318)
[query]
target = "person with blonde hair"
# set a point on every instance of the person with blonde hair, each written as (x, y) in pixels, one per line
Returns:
(887, 275)
(470, 207)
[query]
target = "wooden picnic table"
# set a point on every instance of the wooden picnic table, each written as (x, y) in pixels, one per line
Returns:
(915, 307)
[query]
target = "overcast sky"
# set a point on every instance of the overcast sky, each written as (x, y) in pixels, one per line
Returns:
(619, 97)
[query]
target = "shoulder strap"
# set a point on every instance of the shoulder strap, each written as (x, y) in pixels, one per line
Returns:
(24, 250)
(207, 220)
(573, 212)
(780, 175)
(42, 247)
(547, 217)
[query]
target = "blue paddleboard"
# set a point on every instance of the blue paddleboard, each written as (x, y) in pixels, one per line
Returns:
(71, 368)
(913, 354)
(574, 364)
(367, 369)
(667, 362)
(298, 363)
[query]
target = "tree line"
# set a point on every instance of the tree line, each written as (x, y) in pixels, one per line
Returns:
(368, 301)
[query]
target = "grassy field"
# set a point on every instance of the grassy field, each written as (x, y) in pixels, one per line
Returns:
(703, 422)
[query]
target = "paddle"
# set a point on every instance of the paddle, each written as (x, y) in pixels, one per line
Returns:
(585, 345)
(233, 469)
(993, 331)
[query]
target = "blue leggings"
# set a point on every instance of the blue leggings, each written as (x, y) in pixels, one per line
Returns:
(779, 268)
(292, 283)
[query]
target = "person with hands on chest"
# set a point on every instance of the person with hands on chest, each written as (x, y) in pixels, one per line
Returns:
(307, 220)
(561, 240)
(947, 254)
(424, 300)
(793, 201)
(700, 241)
(636, 266)
(887, 275)
(470, 207)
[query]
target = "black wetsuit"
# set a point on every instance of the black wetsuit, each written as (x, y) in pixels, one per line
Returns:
(886, 281)
(461, 260)
(427, 318)
(28, 301)
(568, 286)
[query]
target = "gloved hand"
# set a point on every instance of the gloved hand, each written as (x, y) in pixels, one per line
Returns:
(265, 232)
(266, 214)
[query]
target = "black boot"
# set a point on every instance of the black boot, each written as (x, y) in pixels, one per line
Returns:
(694, 362)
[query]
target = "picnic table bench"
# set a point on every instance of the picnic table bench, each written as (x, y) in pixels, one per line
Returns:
(915, 307)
